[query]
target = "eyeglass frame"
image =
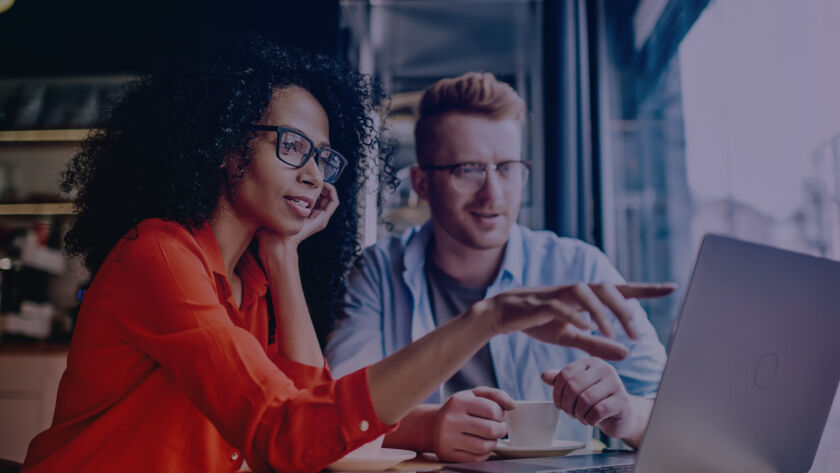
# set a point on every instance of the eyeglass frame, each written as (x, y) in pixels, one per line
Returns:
(314, 150)
(485, 166)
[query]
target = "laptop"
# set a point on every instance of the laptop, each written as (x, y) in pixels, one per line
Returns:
(751, 373)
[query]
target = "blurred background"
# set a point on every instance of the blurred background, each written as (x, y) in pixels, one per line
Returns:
(651, 123)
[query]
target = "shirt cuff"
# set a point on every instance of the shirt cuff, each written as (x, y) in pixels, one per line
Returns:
(304, 376)
(359, 423)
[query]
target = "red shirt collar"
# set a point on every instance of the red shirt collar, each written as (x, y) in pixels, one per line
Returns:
(254, 281)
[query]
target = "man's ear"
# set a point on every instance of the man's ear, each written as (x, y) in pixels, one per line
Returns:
(420, 182)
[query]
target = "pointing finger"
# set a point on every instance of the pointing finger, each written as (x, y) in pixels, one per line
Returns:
(612, 298)
(598, 311)
(598, 346)
(645, 291)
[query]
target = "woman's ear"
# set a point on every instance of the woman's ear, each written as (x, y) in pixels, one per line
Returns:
(420, 182)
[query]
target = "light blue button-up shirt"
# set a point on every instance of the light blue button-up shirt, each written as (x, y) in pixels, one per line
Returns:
(387, 307)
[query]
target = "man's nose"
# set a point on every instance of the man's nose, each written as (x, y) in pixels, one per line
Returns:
(492, 188)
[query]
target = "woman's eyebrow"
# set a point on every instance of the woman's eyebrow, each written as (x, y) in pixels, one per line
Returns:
(322, 144)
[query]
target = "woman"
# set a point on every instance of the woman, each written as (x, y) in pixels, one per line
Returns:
(191, 352)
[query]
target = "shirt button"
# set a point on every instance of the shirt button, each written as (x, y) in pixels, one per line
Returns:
(234, 456)
(364, 426)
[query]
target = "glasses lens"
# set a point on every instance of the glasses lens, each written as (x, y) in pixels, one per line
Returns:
(293, 148)
(513, 173)
(468, 177)
(331, 164)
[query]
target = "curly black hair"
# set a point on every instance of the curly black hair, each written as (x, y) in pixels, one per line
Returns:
(158, 153)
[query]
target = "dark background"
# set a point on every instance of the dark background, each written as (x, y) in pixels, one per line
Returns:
(43, 38)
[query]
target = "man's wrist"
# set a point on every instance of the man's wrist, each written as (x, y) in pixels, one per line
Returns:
(640, 409)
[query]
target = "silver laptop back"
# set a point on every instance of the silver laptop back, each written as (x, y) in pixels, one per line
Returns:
(754, 364)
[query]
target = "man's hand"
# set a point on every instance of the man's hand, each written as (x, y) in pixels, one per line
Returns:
(553, 314)
(470, 423)
(591, 391)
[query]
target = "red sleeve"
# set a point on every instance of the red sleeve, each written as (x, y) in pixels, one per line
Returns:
(169, 309)
(303, 375)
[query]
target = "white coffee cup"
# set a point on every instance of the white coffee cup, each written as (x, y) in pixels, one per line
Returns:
(532, 423)
(368, 450)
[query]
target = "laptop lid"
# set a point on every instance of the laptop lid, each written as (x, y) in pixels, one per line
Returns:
(753, 366)
(752, 369)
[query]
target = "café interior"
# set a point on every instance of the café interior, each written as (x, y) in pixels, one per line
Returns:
(650, 123)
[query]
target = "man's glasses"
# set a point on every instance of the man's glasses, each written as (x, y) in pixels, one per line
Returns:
(470, 177)
(296, 149)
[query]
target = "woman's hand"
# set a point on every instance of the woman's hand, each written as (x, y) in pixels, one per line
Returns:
(323, 209)
(271, 243)
(555, 314)
(470, 423)
(279, 257)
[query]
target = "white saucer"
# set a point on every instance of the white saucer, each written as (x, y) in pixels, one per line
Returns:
(384, 459)
(556, 449)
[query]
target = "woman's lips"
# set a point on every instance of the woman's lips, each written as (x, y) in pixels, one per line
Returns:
(300, 204)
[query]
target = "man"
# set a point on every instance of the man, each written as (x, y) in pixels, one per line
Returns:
(469, 144)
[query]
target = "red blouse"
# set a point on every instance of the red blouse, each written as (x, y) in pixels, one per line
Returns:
(166, 374)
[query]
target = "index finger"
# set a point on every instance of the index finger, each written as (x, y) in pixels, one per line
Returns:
(612, 298)
(485, 408)
(498, 396)
(329, 199)
(635, 290)
(597, 345)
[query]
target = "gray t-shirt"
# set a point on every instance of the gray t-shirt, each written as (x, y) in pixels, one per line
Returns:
(448, 299)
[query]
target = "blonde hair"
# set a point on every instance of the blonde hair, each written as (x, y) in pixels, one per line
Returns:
(473, 93)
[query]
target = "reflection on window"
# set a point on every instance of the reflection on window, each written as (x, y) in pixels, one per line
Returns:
(759, 93)
(651, 204)
(736, 132)
(739, 134)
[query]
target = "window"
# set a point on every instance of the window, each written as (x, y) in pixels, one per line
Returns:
(722, 117)
(735, 131)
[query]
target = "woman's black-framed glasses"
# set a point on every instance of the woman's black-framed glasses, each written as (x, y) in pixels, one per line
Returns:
(296, 149)
(470, 177)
